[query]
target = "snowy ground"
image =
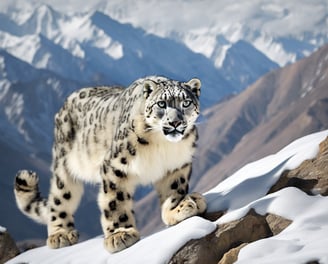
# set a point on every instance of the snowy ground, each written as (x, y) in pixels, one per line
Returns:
(304, 240)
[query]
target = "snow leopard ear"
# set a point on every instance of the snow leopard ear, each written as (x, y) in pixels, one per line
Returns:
(195, 85)
(148, 87)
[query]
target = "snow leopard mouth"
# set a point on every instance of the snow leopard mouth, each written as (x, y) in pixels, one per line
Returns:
(173, 134)
(172, 131)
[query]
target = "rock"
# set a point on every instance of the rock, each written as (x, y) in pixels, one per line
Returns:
(323, 147)
(211, 248)
(277, 223)
(8, 248)
(310, 176)
(232, 255)
(212, 216)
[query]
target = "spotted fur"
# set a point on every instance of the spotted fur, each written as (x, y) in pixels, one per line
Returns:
(144, 134)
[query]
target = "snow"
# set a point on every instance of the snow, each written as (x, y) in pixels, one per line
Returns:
(21, 47)
(305, 239)
(2, 229)
(274, 50)
(4, 87)
(157, 248)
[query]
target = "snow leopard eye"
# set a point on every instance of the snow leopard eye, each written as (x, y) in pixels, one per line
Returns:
(161, 104)
(186, 103)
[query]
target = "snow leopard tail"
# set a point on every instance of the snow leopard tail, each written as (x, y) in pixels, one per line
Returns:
(28, 197)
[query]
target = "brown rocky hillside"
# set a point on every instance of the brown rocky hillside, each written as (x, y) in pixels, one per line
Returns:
(281, 106)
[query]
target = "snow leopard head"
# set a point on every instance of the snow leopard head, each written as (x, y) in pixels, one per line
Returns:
(171, 107)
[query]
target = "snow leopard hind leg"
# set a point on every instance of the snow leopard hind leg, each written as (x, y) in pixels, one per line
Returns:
(65, 189)
(64, 197)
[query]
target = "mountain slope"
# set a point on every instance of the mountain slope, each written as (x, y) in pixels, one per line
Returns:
(280, 107)
(236, 64)
(29, 98)
(93, 48)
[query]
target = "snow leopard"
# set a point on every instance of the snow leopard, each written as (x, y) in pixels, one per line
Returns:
(118, 138)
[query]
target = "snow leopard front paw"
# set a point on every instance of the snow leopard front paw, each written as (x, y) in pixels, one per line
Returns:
(191, 205)
(121, 239)
(63, 239)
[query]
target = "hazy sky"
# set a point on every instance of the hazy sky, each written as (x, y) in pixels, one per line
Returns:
(278, 17)
(62, 5)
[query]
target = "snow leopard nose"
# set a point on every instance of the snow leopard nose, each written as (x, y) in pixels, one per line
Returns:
(175, 123)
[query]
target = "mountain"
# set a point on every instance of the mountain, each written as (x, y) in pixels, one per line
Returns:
(236, 64)
(258, 225)
(29, 97)
(92, 48)
(276, 28)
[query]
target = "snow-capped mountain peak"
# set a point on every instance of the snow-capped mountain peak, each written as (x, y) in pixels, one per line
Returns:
(270, 26)
(44, 20)
(266, 24)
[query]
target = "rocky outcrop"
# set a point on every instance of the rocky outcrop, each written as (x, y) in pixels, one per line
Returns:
(310, 176)
(277, 223)
(211, 248)
(8, 248)
(223, 245)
